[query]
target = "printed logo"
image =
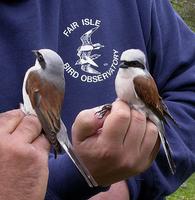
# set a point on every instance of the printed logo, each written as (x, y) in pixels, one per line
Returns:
(88, 66)
(86, 58)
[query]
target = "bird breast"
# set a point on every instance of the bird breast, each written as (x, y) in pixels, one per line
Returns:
(124, 85)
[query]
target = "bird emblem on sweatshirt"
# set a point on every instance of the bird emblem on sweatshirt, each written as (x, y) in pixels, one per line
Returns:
(84, 52)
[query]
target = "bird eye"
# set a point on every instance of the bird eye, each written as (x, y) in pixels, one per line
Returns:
(134, 63)
(130, 63)
(40, 58)
(126, 63)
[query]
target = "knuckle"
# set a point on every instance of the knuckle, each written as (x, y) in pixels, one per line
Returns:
(105, 153)
(138, 117)
(129, 165)
(123, 115)
(132, 164)
(23, 153)
(128, 161)
(33, 154)
(82, 114)
(26, 130)
(17, 150)
(32, 119)
(84, 118)
(31, 123)
(152, 128)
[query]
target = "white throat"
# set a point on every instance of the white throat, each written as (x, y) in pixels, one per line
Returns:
(124, 85)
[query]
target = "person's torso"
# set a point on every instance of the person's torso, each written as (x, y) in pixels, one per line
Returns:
(89, 36)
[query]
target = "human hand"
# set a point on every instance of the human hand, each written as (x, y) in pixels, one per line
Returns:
(23, 158)
(120, 145)
(119, 191)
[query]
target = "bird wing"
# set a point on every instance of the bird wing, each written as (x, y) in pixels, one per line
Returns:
(146, 89)
(46, 100)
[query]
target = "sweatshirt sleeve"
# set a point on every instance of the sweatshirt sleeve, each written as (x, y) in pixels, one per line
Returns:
(66, 182)
(171, 58)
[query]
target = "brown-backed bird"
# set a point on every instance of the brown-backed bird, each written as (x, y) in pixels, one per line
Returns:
(43, 95)
(135, 86)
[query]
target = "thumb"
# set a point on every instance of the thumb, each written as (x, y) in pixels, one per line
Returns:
(86, 124)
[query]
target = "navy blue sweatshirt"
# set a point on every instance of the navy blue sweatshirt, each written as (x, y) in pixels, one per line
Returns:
(100, 30)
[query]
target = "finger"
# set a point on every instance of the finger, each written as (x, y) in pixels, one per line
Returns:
(86, 124)
(10, 120)
(42, 143)
(152, 155)
(28, 130)
(136, 130)
(117, 122)
(149, 140)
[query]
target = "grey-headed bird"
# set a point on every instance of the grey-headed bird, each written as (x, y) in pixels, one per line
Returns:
(43, 95)
(135, 86)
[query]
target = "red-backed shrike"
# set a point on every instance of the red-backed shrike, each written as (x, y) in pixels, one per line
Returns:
(43, 95)
(135, 86)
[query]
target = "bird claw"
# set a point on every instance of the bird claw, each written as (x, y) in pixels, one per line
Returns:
(102, 112)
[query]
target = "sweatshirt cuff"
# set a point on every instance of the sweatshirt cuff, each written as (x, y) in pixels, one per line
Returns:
(134, 187)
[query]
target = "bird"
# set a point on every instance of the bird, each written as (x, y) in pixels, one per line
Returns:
(43, 96)
(136, 86)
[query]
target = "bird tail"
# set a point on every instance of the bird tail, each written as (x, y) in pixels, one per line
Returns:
(170, 117)
(64, 141)
(57, 148)
(168, 114)
(167, 149)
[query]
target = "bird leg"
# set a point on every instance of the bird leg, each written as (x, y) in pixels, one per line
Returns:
(102, 112)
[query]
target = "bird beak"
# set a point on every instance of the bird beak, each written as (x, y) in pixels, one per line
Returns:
(123, 65)
(35, 52)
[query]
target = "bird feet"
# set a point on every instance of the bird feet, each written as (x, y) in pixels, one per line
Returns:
(102, 112)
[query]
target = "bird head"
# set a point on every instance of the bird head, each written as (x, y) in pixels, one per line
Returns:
(49, 60)
(133, 58)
